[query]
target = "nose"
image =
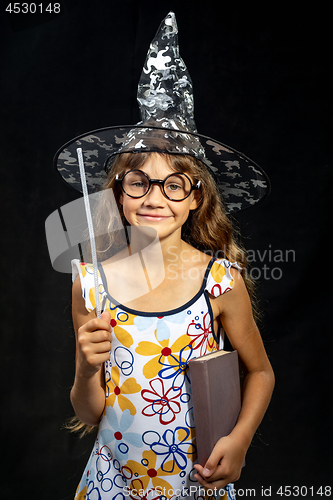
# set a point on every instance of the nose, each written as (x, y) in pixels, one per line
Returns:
(155, 196)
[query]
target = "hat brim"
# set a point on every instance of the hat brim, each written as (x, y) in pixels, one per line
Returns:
(241, 181)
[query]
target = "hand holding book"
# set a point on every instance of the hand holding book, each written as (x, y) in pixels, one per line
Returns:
(216, 405)
(224, 465)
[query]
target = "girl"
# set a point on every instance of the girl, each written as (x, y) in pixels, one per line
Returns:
(146, 441)
(167, 178)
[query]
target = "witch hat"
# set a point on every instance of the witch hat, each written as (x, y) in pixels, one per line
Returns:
(165, 98)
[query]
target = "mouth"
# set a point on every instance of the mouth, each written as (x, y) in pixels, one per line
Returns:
(154, 217)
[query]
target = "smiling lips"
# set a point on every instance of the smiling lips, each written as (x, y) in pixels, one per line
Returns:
(154, 217)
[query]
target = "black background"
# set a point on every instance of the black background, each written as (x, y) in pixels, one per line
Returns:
(262, 84)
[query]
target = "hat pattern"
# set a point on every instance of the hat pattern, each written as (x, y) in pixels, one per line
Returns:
(165, 92)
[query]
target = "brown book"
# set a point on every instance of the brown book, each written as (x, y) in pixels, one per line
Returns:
(216, 398)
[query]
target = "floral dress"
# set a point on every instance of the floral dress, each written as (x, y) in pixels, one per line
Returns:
(145, 447)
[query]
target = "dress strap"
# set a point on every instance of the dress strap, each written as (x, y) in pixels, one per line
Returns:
(219, 279)
(86, 274)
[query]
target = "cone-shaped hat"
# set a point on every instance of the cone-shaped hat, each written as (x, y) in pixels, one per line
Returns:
(165, 98)
(165, 93)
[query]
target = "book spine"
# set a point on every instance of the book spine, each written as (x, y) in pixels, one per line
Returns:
(202, 402)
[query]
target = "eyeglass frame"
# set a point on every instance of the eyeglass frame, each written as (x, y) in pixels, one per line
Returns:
(160, 182)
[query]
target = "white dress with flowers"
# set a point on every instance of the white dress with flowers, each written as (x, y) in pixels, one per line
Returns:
(145, 447)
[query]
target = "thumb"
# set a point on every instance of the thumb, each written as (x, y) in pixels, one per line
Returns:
(106, 316)
(212, 463)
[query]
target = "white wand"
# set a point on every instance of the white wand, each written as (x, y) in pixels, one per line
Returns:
(91, 230)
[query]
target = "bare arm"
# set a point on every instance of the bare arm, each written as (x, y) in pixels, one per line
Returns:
(93, 344)
(225, 462)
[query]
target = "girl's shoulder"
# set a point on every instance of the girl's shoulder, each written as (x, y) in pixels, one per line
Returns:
(84, 272)
(219, 278)
(216, 273)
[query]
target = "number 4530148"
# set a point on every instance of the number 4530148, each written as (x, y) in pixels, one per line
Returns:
(304, 491)
(32, 8)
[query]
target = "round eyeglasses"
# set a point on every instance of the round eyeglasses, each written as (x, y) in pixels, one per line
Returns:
(175, 187)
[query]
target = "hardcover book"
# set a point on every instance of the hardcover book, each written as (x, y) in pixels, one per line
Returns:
(216, 396)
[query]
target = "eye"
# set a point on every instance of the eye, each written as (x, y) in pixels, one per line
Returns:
(135, 180)
(178, 186)
(138, 184)
(174, 187)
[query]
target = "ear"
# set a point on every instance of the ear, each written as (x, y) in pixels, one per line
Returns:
(196, 199)
(121, 199)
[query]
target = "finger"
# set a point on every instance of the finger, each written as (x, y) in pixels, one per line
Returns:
(98, 324)
(221, 483)
(106, 316)
(204, 472)
(222, 473)
(99, 336)
(213, 462)
(218, 474)
(103, 347)
(95, 360)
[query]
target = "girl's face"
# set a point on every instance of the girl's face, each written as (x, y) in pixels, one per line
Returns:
(154, 209)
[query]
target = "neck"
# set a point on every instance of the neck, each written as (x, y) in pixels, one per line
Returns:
(170, 247)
